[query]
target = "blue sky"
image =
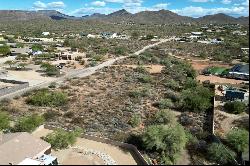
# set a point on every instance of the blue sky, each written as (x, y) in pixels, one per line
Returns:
(194, 8)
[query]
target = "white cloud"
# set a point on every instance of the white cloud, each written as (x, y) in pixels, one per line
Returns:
(135, 6)
(161, 5)
(58, 4)
(226, 2)
(92, 10)
(38, 5)
(200, 11)
(127, 2)
(99, 3)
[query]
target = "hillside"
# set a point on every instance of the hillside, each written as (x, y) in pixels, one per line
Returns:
(144, 17)
(217, 18)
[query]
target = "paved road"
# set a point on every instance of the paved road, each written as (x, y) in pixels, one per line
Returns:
(80, 72)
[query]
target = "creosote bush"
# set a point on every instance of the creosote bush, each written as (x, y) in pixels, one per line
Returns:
(45, 98)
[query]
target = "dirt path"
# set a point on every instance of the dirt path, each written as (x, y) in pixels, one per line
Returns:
(81, 72)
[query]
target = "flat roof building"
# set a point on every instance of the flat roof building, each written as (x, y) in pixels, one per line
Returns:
(15, 148)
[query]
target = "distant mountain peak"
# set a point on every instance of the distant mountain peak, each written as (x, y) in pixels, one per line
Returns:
(122, 12)
(144, 17)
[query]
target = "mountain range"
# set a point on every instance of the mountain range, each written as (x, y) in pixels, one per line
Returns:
(144, 17)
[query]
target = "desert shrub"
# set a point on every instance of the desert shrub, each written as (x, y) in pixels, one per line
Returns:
(61, 139)
(164, 117)
(172, 84)
(52, 85)
(4, 50)
(37, 47)
(22, 57)
(141, 69)
(97, 58)
(120, 51)
(45, 97)
(138, 93)
(197, 99)
(190, 83)
(93, 63)
(50, 70)
(165, 104)
(166, 140)
(220, 154)
(145, 79)
(172, 95)
(235, 107)
(4, 121)
(28, 123)
(238, 139)
(51, 115)
(135, 121)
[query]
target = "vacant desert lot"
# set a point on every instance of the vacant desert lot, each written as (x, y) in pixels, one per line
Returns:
(218, 80)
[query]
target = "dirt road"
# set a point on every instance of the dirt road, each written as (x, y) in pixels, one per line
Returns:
(81, 72)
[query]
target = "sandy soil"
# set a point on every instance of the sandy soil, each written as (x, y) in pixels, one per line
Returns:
(28, 76)
(121, 156)
(216, 79)
(41, 132)
(185, 159)
(71, 157)
(201, 65)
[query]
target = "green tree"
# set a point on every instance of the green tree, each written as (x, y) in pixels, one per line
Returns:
(165, 117)
(166, 140)
(50, 70)
(61, 139)
(4, 50)
(37, 47)
(196, 99)
(220, 154)
(4, 121)
(190, 83)
(28, 123)
(235, 107)
(238, 139)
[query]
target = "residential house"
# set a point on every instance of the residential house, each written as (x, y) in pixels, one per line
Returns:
(239, 71)
(43, 40)
(216, 41)
(93, 36)
(65, 53)
(45, 33)
(237, 95)
(240, 33)
(24, 149)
